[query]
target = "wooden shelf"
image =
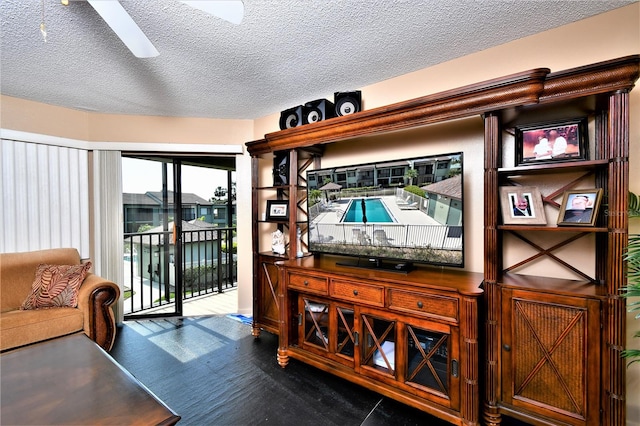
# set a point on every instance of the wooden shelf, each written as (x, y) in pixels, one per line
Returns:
(543, 168)
(553, 285)
(552, 228)
(275, 255)
(286, 222)
(281, 187)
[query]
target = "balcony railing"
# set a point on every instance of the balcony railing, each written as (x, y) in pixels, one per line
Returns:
(208, 265)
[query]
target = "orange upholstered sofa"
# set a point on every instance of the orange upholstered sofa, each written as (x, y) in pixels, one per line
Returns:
(93, 314)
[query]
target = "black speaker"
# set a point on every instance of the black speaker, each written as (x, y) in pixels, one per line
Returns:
(291, 117)
(281, 168)
(347, 102)
(317, 110)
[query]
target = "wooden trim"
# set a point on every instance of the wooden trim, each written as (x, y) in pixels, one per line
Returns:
(255, 229)
(601, 77)
(528, 87)
(510, 91)
(101, 317)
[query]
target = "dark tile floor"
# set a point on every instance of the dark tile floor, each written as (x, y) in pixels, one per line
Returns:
(211, 371)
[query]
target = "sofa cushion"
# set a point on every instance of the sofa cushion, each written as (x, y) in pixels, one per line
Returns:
(56, 286)
(18, 328)
(18, 270)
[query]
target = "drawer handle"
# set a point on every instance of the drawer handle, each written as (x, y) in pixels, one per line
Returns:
(420, 305)
(306, 282)
(355, 292)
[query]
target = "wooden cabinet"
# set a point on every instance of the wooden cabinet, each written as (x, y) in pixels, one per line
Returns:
(550, 355)
(554, 341)
(367, 307)
(386, 331)
(266, 312)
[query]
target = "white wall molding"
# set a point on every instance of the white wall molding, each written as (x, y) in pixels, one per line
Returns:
(38, 138)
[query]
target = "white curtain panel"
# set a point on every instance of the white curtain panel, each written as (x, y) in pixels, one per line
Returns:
(45, 197)
(108, 225)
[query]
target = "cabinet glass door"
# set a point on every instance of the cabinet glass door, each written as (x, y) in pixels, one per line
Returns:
(315, 323)
(379, 344)
(428, 359)
(346, 334)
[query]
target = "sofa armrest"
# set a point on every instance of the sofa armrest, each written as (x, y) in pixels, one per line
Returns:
(95, 297)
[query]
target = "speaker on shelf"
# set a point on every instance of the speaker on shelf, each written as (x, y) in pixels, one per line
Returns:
(291, 117)
(281, 168)
(317, 110)
(347, 102)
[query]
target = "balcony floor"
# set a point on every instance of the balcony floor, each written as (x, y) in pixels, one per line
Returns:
(211, 304)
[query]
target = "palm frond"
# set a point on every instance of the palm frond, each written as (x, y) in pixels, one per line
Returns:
(631, 353)
(634, 205)
(632, 290)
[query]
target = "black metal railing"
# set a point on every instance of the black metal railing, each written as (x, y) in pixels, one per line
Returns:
(207, 265)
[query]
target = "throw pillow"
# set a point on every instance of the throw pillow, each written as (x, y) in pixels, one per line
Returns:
(56, 286)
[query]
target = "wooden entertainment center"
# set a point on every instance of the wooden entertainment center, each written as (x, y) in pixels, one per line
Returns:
(412, 337)
(469, 347)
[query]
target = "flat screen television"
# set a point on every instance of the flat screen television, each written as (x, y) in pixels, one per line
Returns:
(389, 214)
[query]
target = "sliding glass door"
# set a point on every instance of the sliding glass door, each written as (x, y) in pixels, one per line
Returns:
(179, 230)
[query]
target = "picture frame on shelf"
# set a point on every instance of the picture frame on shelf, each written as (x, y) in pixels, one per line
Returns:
(580, 207)
(558, 141)
(277, 210)
(522, 205)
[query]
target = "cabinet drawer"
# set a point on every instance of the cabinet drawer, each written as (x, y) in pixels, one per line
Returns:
(424, 304)
(356, 292)
(308, 283)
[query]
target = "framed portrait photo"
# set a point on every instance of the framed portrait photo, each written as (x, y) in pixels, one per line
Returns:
(522, 205)
(580, 207)
(277, 210)
(552, 142)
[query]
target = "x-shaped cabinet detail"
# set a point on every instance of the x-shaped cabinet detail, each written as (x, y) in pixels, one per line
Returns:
(428, 357)
(544, 343)
(379, 344)
(315, 322)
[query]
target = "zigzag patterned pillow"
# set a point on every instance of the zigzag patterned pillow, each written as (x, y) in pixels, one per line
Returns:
(56, 286)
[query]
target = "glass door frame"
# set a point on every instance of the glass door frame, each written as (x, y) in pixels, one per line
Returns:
(164, 255)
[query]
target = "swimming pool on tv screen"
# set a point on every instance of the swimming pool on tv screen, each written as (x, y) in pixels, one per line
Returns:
(374, 210)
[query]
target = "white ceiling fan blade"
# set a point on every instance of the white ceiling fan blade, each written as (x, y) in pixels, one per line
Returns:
(123, 25)
(229, 10)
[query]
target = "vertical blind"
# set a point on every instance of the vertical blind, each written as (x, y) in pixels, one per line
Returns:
(45, 197)
(108, 226)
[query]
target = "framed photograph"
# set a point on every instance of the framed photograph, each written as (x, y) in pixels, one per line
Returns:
(580, 207)
(277, 210)
(522, 205)
(551, 142)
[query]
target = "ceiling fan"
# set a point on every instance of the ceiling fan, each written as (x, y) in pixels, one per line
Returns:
(132, 36)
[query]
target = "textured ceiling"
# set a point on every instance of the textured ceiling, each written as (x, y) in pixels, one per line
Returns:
(285, 52)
